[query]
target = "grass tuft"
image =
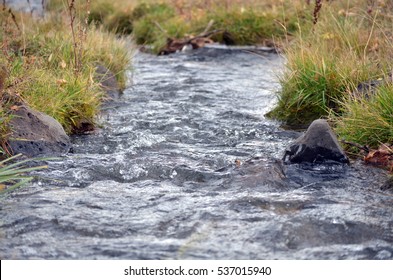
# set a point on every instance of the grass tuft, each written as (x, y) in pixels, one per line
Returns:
(367, 120)
(52, 67)
(326, 62)
(12, 174)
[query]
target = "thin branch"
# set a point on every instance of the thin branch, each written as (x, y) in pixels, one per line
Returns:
(160, 27)
(204, 35)
(13, 18)
(71, 13)
(317, 8)
(363, 148)
(209, 25)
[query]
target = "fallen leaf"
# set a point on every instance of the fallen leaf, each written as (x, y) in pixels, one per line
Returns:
(63, 64)
(61, 82)
(328, 36)
(32, 59)
(14, 107)
(374, 47)
(383, 156)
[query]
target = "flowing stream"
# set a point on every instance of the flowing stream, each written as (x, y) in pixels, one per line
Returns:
(186, 166)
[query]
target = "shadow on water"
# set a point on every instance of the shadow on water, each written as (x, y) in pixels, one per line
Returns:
(186, 166)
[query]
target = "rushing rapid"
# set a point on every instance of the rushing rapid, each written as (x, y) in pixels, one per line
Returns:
(186, 166)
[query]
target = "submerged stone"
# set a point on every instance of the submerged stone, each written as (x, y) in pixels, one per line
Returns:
(388, 185)
(258, 174)
(35, 133)
(318, 145)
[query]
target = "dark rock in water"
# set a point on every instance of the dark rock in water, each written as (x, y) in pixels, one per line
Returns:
(35, 133)
(108, 82)
(259, 174)
(388, 185)
(228, 39)
(318, 145)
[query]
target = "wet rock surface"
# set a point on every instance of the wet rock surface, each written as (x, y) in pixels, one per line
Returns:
(34, 133)
(187, 167)
(318, 144)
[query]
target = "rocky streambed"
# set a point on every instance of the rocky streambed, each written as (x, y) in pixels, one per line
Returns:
(186, 166)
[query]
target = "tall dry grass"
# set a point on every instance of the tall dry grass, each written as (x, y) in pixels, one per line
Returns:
(348, 44)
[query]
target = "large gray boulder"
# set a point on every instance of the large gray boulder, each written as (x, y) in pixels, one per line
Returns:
(34, 133)
(318, 145)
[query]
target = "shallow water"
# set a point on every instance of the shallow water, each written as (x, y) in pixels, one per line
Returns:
(186, 166)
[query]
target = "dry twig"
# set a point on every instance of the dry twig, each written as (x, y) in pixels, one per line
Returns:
(317, 9)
